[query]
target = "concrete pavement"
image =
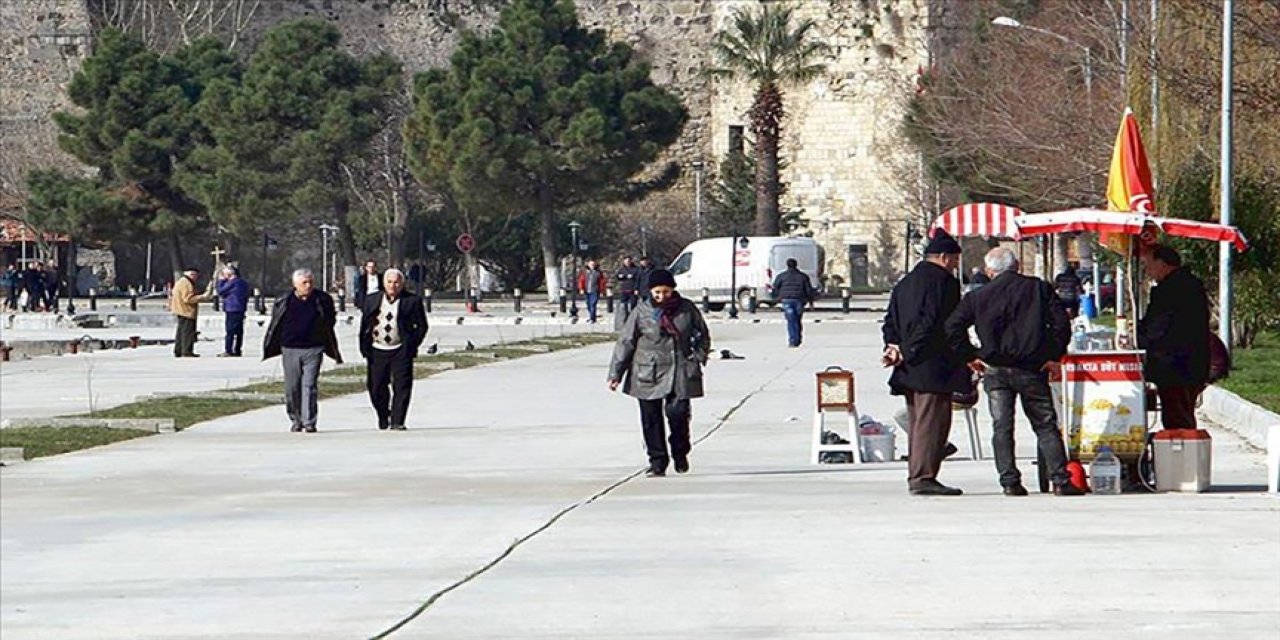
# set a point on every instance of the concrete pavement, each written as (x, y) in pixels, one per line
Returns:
(514, 506)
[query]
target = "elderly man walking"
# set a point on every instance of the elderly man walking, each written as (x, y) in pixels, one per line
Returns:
(234, 292)
(925, 370)
(391, 330)
(184, 302)
(301, 331)
(1023, 329)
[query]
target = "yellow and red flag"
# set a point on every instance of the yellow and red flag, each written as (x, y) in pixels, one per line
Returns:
(1129, 185)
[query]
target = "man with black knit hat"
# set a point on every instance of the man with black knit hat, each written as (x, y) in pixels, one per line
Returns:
(925, 369)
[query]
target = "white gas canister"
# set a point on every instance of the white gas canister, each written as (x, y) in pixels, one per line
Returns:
(1183, 460)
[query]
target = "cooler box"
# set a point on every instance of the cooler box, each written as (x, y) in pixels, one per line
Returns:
(1183, 459)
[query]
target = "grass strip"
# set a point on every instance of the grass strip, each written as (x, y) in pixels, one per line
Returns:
(38, 442)
(185, 410)
(1255, 375)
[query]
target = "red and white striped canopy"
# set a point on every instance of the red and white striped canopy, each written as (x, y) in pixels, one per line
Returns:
(988, 219)
(1099, 221)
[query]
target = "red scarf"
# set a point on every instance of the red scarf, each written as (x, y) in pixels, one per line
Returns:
(667, 314)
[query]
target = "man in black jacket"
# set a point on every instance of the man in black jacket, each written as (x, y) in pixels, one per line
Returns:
(368, 282)
(1175, 334)
(793, 288)
(301, 331)
(626, 278)
(924, 368)
(1024, 331)
(391, 330)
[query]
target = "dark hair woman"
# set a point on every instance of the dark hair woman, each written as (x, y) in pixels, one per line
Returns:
(658, 360)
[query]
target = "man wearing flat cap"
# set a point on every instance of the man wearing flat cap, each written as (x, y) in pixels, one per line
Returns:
(925, 369)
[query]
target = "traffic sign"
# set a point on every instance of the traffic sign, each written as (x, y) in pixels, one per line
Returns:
(466, 243)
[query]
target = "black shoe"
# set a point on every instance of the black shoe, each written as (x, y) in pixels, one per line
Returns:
(682, 464)
(655, 473)
(398, 427)
(311, 429)
(1015, 490)
(934, 488)
(296, 428)
(1067, 490)
(949, 450)
(383, 426)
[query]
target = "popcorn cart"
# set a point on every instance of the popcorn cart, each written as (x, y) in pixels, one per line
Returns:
(1103, 403)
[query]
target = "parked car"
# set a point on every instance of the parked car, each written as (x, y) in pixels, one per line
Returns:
(704, 264)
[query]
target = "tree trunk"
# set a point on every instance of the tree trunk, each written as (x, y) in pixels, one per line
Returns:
(550, 261)
(400, 221)
(176, 264)
(346, 239)
(766, 118)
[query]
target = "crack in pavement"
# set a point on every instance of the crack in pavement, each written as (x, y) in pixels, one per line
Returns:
(413, 615)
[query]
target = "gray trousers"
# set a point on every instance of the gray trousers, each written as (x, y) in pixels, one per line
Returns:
(301, 382)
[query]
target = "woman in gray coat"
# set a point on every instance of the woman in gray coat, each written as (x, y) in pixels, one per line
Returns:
(658, 360)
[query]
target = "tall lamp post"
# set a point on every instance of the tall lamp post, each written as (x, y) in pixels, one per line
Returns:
(325, 280)
(698, 167)
(735, 242)
(574, 225)
(1060, 247)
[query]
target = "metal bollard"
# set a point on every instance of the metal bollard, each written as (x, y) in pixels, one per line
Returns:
(564, 300)
(706, 300)
(427, 298)
(752, 303)
(342, 301)
(259, 304)
(518, 297)
(4, 352)
(133, 341)
(133, 299)
(844, 299)
(93, 299)
(73, 347)
(71, 305)
(608, 300)
(573, 303)
(473, 300)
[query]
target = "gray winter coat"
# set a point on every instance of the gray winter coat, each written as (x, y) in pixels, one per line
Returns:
(652, 365)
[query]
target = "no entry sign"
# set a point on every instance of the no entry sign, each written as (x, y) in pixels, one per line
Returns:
(466, 243)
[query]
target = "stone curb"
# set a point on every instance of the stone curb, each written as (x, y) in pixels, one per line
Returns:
(154, 425)
(10, 456)
(221, 395)
(1250, 421)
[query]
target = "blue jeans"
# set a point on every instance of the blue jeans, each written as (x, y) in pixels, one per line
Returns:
(593, 300)
(235, 333)
(793, 310)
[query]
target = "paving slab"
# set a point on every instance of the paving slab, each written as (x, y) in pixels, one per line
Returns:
(515, 501)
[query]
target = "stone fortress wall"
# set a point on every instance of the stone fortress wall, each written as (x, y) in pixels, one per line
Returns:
(841, 134)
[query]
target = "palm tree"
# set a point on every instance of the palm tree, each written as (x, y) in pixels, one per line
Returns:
(768, 51)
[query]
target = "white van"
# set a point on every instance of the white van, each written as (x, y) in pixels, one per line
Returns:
(757, 260)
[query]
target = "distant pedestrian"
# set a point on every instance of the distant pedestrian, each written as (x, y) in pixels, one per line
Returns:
(234, 292)
(52, 287)
(12, 287)
(1024, 331)
(658, 360)
(1174, 332)
(591, 283)
(301, 331)
(626, 279)
(1069, 289)
(795, 290)
(184, 302)
(642, 277)
(368, 282)
(33, 283)
(978, 279)
(392, 327)
(925, 370)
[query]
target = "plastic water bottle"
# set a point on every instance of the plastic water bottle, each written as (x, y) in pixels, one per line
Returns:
(1079, 341)
(1104, 473)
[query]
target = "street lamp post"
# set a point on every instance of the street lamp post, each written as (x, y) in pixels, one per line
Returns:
(734, 243)
(574, 225)
(325, 279)
(698, 167)
(1060, 246)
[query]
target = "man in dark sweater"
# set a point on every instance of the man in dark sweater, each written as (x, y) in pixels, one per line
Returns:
(925, 370)
(1024, 331)
(301, 331)
(795, 290)
(392, 327)
(1175, 334)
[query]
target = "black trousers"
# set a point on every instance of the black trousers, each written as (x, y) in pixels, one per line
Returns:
(1178, 405)
(184, 343)
(392, 369)
(234, 340)
(1004, 385)
(678, 413)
